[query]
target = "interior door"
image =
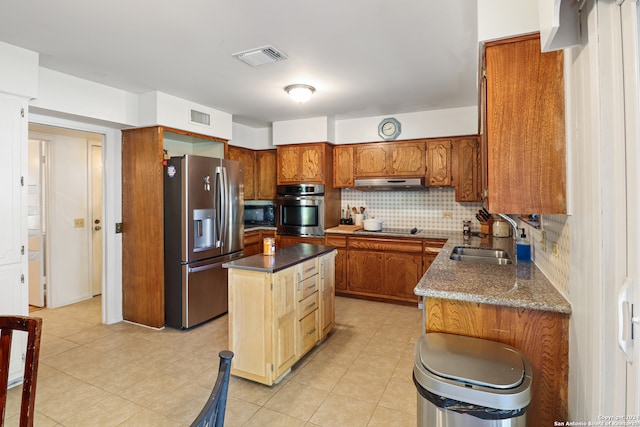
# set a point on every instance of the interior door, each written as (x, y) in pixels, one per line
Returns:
(96, 218)
(630, 18)
(35, 212)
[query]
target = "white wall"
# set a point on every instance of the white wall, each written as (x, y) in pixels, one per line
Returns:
(423, 124)
(253, 138)
(506, 18)
(19, 71)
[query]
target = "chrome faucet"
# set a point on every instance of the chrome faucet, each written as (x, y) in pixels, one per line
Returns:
(515, 232)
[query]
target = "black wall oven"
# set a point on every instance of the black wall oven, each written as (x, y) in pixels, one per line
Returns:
(300, 209)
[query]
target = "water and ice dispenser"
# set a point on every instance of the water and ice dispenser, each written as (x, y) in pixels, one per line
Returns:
(204, 229)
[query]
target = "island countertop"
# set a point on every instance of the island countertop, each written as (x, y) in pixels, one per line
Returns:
(519, 284)
(283, 258)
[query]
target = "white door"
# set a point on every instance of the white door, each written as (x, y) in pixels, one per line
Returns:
(35, 218)
(96, 218)
(13, 224)
(630, 19)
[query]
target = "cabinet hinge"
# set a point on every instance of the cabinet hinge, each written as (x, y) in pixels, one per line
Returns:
(22, 278)
(22, 112)
(272, 368)
(271, 285)
(22, 181)
(22, 250)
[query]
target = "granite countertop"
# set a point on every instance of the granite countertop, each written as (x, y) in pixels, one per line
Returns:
(283, 258)
(519, 284)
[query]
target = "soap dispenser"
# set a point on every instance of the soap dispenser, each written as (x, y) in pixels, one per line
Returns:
(523, 248)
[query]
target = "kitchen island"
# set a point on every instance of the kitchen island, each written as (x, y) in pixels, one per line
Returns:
(514, 304)
(280, 306)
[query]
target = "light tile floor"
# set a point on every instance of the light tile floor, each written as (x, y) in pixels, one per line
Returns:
(128, 375)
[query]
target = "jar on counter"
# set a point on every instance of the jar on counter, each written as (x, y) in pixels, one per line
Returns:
(501, 228)
(269, 246)
(466, 228)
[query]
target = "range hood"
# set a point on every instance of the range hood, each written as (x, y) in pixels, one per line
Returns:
(390, 184)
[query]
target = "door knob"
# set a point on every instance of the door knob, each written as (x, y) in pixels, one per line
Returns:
(97, 228)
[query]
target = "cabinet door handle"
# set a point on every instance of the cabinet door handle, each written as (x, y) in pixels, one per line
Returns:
(309, 269)
(309, 306)
(310, 287)
(311, 332)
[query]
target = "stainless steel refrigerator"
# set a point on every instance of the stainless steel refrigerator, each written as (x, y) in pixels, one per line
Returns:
(203, 228)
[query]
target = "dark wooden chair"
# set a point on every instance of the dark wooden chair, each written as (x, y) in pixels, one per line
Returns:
(212, 415)
(33, 327)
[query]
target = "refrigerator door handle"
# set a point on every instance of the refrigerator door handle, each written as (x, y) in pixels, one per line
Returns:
(222, 195)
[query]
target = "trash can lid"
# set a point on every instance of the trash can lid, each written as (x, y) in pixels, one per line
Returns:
(472, 360)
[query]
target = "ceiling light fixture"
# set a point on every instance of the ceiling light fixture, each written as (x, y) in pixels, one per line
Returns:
(300, 93)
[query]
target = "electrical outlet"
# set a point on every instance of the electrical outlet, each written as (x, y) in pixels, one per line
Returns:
(543, 241)
(78, 223)
(447, 215)
(554, 249)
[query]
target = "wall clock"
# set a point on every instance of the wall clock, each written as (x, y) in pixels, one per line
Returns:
(389, 129)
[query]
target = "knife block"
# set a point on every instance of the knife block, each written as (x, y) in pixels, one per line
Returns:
(487, 227)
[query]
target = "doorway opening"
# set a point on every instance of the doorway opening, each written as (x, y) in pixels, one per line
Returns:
(65, 212)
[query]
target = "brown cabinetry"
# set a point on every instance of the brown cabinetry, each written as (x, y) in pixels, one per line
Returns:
(384, 268)
(393, 159)
(466, 170)
(339, 242)
(284, 240)
(143, 220)
(439, 163)
(343, 166)
(305, 163)
(525, 127)
(265, 186)
(253, 241)
(259, 172)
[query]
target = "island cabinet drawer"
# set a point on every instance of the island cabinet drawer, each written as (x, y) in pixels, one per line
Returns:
(309, 268)
(307, 305)
(307, 286)
(308, 327)
(411, 246)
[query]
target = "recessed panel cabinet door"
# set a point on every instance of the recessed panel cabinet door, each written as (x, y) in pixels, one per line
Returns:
(526, 161)
(439, 163)
(284, 288)
(401, 275)
(265, 175)
(371, 160)
(365, 271)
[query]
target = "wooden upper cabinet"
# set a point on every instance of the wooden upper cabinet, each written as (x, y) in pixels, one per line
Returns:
(525, 126)
(343, 166)
(407, 159)
(466, 170)
(259, 172)
(401, 159)
(439, 163)
(265, 175)
(304, 163)
(248, 159)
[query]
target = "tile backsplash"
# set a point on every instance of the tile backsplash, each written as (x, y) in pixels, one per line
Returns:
(434, 209)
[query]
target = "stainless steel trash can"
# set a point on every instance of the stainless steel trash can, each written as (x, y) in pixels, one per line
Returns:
(470, 382)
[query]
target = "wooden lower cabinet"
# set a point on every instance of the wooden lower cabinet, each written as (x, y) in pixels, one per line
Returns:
(542, 336)
(253, 241)
(382, 269)
(365, 272)
(276, 318)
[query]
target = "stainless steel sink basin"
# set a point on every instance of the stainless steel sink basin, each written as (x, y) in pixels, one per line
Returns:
(480, 255)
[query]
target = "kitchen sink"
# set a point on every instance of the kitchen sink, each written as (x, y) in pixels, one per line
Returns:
(480, 255)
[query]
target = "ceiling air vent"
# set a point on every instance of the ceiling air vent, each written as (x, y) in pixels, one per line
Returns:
(260, 56)
(198, 117)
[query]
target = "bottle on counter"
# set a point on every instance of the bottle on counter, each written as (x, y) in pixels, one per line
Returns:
(523, 248)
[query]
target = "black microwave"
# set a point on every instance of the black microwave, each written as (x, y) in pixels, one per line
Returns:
(258, 212)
